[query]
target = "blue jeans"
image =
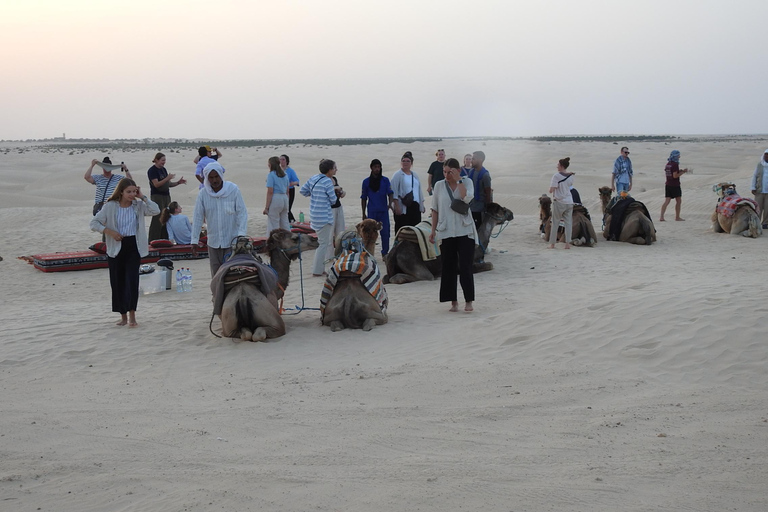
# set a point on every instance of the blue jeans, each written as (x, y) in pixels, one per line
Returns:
(622, 187)
(383, 217)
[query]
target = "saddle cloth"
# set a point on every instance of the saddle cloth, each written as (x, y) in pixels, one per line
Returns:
(727, 205)
(362, 264)
(420, 234)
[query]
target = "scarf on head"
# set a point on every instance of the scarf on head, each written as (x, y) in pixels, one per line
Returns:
(765, 164)
(226, 186)
(675, 157)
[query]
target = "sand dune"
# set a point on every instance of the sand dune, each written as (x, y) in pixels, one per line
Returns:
(610, 378)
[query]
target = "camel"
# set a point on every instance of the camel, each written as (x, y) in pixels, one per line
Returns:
(637, 226)
(405, 264)
(345, 301)
(582, 231)
(366, 230)
(247, 312)
(735, 214)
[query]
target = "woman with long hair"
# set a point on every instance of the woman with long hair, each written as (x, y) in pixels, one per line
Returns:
(276, 209)
(121, 220)
(178, 225)
(160, 183)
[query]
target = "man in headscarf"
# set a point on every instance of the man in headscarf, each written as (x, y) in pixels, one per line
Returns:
(220, 205)
(760, 188)
(672, 185)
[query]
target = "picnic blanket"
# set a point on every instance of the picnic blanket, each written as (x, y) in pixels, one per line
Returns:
(727, 205)
(420, 234)
(267, 277)
(362, 264)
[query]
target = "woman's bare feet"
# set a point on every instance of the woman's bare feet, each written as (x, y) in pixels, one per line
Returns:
(679, 218)
(567, 246)
(454, 306)
(551, 246)
(132, 319)
(123, 320)
(468, 307)
(661, 219)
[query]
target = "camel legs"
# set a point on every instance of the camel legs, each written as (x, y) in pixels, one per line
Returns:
(249, 315)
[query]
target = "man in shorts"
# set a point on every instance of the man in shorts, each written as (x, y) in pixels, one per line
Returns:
(621, 179)
(672, 188)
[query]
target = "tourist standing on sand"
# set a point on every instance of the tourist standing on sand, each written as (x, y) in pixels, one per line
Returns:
(377, 196)
(760, 188)
(435, 171)
(160, 183)
(293, 182)
(220, 205)
(276, 208)
(106, 182)
(562, 202)
(457, 234)
(672, 189)
(467, 167)
(205, 156)
(121, 220)
(319, 188)
(408, 199)
(481, 181)
(621, 178)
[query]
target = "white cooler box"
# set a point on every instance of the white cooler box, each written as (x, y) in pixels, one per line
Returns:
(153, 282)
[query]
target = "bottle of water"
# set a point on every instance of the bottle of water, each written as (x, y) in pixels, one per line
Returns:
(301, 216)
(189, 280)
(184, 280)
(179, 282)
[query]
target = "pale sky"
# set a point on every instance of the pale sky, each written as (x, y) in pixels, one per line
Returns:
(362, 68)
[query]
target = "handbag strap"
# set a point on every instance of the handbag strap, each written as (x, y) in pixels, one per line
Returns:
(106, 187)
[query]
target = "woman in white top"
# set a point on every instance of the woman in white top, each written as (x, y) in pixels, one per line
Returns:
(562, 202)
(760, 188)
(122, 222)
(456, 233)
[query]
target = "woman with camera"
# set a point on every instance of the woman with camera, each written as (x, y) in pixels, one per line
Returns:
(452, 224)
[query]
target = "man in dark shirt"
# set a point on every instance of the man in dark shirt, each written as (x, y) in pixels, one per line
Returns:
(672, 189)
(436, 170)
(481, 179)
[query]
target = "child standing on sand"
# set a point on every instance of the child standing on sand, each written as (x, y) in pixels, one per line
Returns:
(562, 204)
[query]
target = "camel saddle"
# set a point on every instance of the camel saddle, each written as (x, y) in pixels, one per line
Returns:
(241, 268)
(727, 205)
(419, 234)
(355, 264)
(619, 210)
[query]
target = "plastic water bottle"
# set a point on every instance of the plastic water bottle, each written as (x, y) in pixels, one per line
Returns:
(179, 285)
(189, 280)
(301, 216)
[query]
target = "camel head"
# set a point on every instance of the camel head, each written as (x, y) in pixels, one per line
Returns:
(723, 189)
(498, 213)
(545, 207)
(605, 196)
(290, 244)
(368, 230)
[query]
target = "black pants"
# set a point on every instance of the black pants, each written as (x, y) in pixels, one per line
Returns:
(291, 197)
(124, 277)
(458, 254)
(478, 218)
(411, 217)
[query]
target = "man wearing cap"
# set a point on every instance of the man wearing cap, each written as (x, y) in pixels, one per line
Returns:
(205, 155)
(106, 182)
(760, 188)
(220, 205)
(621, 179)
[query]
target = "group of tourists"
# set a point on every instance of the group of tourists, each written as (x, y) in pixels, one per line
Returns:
(120, 206)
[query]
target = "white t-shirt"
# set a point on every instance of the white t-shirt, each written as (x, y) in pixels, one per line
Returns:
(562, 186)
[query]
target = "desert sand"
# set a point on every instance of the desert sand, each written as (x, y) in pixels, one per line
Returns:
(618, 377)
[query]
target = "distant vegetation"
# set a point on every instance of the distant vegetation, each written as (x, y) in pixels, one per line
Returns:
(605, 138)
